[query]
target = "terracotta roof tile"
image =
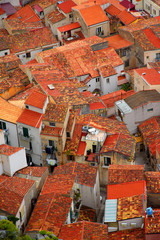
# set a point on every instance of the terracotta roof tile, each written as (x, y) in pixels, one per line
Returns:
(55, 16)
(50, 213)
(151, 75)
(86, 214)
(153, 182)
(3, 178)
(107, 71)
(36, 99)
(117, 42)
(55, 113)
(25, 14)
(8, 150)
(130, 207)
(33, 171)
(125, 173)
(9, 112)
(68, 27)
(152, 224)
(132, 234)
(86, 174)
(84, 230)
(66, 6)
(96, 105)
(42, 3)
(18, 185)
(92, 14)
(52, 131)
(9, 201)
(129, 189)
(112, 10)
(126, 17)
(123, 144)
(30, 118)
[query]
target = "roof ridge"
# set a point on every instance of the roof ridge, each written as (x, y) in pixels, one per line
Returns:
(82, 229)
(47, 212)
(74, 167)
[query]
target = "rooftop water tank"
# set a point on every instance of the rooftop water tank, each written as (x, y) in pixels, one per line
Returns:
(149, 211)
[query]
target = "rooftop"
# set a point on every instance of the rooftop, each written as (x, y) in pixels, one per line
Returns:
(84, 230)
(130, 207)
(142, 97)
(30, 118)
(152, 182)
(132, 234)
(125, 173)
(120, 143)
(107, 71)
(126, 17)
(36, 99)
(152, 224)
(59, 184)
(55, 113)
(33, 171)
(112, 10)
(151, 76)
(86, 174)
(117, 42)
(92, 14)
(126, 189)
(66, 6)
(55, 16)
(8, 150)
(52, 131)
(9, 112)
(68, 27)
(50, 213)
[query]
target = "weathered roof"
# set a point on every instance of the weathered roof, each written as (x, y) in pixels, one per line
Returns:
(8, 150)
(132, 234)
(83, 231)
(152, 224)
(55, 113)
(55, 16)
(33, 171)
(125, 173)
(86, 174)
(152, 182)
(142, 97)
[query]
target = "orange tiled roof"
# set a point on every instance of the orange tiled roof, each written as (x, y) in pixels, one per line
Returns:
(152, 224)
(30, 118)
(59, 184)
(66, 6)
(151, 75)
(86, 174)
(128, 189)
(68, 27)
(8, 150)
(1, 11)
(18, 185)
(10, 201)
(3, 178)
(125, 173)
(152, 182)
(112, 10)
(81, 148)
(107, 71)
(33, 171)
(93, 15)
(50, 213)
(132, 234)
(123, 144)
(26, 14)
(42, 3)
(9, 112)
(55, 16)
(96, 105)
(126, 17)
(55, 113)
(117, 42)
(36, 99)
(52, 131)
(84, 230)
(130, 207)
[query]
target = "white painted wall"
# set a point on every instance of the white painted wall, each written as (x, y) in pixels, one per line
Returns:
(108, 87)
(36, 142)
(2, 137)
(20, 223)
(139, 115)
(92, 85)
(12, 137)
(39, 110)
(4, 52)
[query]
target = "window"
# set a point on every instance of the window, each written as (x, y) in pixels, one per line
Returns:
(147, 57)
(25, 132)
(2, 125)
(107, 161)
(150, 110)
(52, 124)
(98, 30)
(6, 53)
(51, 143)
(27, 106)
(147, 7)
(97, 79)
(68, 134)
(70, 15)
(126, 63)
(158, 56)
(28, 55)
(154, 11)
(107, 80)
(123, 53)
(20, 216)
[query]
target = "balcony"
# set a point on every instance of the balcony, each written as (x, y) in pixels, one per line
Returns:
(25, 138)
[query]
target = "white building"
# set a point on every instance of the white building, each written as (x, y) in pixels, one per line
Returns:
(137, 108)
